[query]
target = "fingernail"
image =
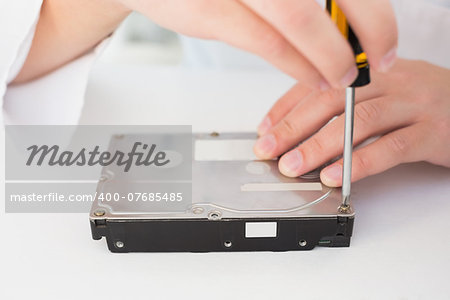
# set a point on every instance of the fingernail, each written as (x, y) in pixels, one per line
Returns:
(265, 145)
(290, 163)
(388, 60)
(332, 175)
(324, 85)
(265, 125)
(349, 77)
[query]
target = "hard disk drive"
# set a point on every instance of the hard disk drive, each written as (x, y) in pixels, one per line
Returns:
(236, 203)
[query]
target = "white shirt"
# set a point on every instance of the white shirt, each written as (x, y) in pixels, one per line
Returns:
(57, 98)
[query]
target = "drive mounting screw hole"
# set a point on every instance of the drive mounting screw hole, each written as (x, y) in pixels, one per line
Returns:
(119, 244)
(214, 215)
(214, 134)
(302, 243)
(228, 244)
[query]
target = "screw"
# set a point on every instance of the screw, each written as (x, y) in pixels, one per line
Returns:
(214, 133)
(119, 244)
(99, 213)
(302, 243)
(344, 209)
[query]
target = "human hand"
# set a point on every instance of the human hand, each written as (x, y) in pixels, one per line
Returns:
(409, 107)
(296, 36)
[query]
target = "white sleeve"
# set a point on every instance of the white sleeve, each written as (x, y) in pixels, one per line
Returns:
(56, 98)
(424, 30)
(17, 22)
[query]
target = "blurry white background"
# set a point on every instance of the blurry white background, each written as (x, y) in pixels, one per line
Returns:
(138, 40)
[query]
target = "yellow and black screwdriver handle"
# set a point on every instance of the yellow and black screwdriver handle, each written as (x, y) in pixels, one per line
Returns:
(340, 20)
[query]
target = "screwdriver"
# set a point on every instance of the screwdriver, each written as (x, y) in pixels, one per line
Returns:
(363, 79)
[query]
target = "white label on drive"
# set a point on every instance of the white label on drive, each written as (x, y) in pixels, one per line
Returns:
(224, 150)
(260, 229)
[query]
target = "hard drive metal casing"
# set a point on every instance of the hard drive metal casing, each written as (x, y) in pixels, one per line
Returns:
(223, 215)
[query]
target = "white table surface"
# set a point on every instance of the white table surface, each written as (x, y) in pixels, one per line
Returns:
(400, 247)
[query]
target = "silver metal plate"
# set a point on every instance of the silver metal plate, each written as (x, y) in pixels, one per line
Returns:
(220, 189)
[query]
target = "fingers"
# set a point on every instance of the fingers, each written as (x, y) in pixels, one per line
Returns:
(300, 92)
(289, 122)
(283, 106)
(311, 31)
(372, 118)
(305, 119)
(233, 23)
(401, 146)
(373, 21)
(297, 36)
(240, 27)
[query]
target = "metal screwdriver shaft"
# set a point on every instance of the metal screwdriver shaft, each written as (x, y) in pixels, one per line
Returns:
(362, 79)
(348, 146)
